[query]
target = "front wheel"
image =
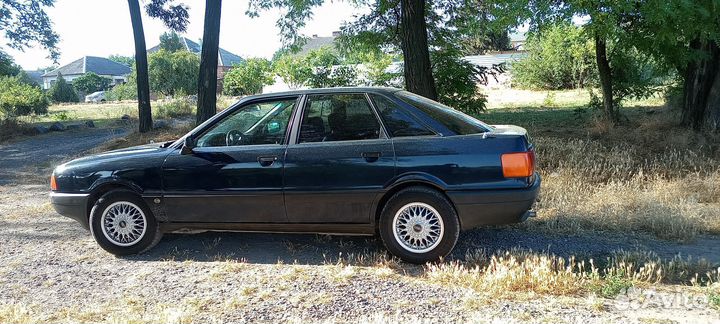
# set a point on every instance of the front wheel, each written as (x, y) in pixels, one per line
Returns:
(419, 225)
(122, 224)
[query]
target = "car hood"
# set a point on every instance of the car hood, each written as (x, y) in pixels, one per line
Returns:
(134, 152)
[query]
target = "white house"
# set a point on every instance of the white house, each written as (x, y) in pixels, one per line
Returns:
(101, 66)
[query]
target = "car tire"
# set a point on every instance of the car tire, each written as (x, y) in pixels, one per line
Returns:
(419, 225)
(122, 224)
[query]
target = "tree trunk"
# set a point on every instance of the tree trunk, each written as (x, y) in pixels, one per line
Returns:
(207, 84)
(141, 68)
(605, 78)
(701, 92)
(416, 54)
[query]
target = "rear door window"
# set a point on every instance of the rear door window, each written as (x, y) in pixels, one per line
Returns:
(338, 117)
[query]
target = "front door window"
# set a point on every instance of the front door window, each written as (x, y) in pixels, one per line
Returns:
(255, 124)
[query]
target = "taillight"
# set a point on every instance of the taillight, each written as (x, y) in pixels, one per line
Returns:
(53, 183)
(518, 165)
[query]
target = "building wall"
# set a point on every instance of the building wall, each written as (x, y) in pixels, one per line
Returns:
(48, 81)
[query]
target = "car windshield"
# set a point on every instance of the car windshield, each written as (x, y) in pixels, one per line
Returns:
(454, 120)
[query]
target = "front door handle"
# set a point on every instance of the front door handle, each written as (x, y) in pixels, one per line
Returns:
(371, 156)
(267, 160)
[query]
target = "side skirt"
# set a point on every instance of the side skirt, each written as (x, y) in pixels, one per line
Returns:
(332, 229)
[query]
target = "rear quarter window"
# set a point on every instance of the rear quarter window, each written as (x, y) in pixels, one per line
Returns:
(454, 120)
(398, 122)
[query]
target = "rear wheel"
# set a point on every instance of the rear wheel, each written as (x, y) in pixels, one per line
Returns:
(122, 224)
(419, 225)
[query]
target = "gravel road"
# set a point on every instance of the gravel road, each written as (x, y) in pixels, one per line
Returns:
(52, 271)
(37, 151)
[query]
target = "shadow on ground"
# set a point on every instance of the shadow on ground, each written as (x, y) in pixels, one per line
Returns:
(323, 249)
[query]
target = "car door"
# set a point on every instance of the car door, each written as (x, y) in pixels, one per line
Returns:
(339, 161)
(234, 172)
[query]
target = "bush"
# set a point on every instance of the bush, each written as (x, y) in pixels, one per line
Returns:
(91, 82)
(172, 73)
(333, 76)
(61, 91)
(174, 108)
(19, 99)
(560, 57)
(248, 77)
(456, 81)
(126, 91)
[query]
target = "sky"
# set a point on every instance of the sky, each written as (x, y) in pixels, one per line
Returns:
(102, 28)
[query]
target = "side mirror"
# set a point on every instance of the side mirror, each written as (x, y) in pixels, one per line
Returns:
(188, 146)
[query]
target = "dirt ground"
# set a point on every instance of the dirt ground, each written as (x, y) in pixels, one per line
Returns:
(52, 270)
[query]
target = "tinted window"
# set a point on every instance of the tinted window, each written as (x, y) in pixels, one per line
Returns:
(398, 121)
(454, 120)
(254, 124)
(340, 117)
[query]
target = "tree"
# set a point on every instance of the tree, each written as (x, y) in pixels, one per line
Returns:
(293, 70)
(684, 36)
(560, 57)
(175, 17)
(207, 88)
(7, 65)
(18, 98)
(248, 78)
(173, 73)
(91, 82)
(413, 35)
(124, 60)
(416, 54)
(171, 42)
(62, 91)
(604, 27)
(25, 23)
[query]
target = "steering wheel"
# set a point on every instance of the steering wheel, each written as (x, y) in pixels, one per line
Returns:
(233, 137)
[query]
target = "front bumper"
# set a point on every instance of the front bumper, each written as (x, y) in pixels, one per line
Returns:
(71, 205)
(495, 207)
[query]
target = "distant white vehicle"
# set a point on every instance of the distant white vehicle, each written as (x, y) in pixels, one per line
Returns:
(95, 97)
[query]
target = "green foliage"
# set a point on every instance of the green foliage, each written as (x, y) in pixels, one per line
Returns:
(559, 57)
(248, 77)
(91, 82)
(319, 68)
(62, 91)
(456, 81)
(125, 60)
(612, 286)
(179, 107)
(7, 65)
(126, 91)
(329, 76)
(25, 23)
(171, 42)
(635, 74)
(173, 73)
(18, 98)
(293, 70)
(714, 300)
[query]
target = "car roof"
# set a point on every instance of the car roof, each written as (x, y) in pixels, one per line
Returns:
(386, 90)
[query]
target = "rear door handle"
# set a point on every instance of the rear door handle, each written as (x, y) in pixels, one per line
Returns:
(371, 156)
(267, 160)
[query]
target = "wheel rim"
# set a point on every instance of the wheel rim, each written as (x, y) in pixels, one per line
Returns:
(123, 223)
(418, 227)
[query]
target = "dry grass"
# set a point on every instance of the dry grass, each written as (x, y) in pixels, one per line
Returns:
(503, 274)
(590, 184)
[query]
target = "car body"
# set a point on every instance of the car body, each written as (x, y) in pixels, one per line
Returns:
(95, 97)
(340, 161)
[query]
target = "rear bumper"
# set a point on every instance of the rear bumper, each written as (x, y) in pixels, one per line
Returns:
(495, 207)
(71, 205)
